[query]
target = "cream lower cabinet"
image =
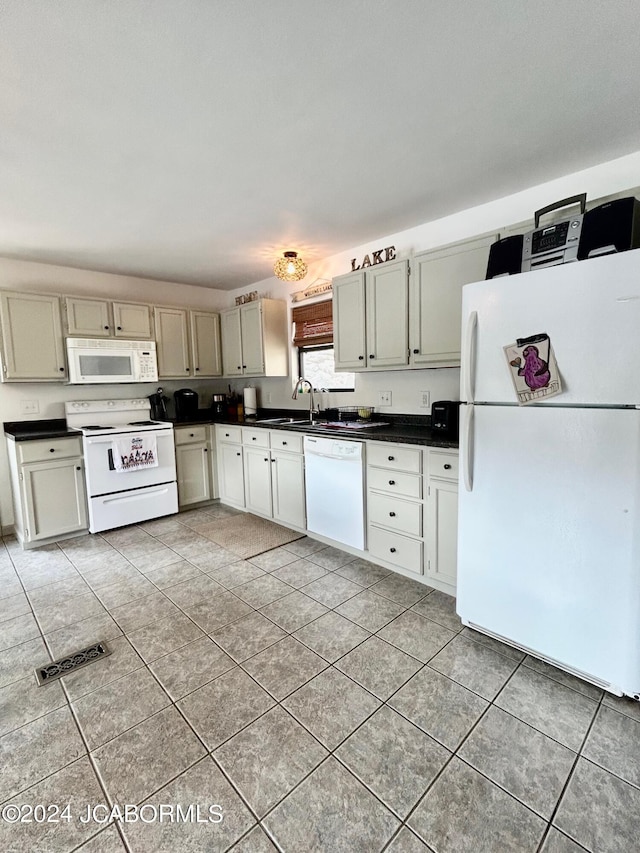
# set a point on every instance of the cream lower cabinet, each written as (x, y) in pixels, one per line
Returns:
(230, 464)
(442, 517)
(192, 465)
(32, 341)
(49, 496)
(395, 506)
(274, 475)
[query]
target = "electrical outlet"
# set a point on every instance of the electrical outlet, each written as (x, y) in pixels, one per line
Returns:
(267, 397)
(384, 398)
(425, 399)
(29, 407)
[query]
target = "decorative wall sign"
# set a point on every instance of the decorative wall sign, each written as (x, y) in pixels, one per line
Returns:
(319, 286)
(247, 297)
(376, 258)
(533, 368)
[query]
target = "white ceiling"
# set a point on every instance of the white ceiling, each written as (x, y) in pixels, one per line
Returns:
(194, 140)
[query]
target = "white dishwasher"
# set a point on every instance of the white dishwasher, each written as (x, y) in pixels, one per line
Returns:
(335, 489)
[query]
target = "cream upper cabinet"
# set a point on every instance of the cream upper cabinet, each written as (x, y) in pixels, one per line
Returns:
(435, 302)
(370, 324)
(132, 321)
(172, 343)
(99, 318)
(32, 342)
(255, 340)
(205, 344)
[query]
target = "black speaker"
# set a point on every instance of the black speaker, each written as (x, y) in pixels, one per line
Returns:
(610, 227)
(505, 256)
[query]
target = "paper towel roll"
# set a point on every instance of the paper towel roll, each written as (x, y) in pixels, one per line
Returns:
(250, 402)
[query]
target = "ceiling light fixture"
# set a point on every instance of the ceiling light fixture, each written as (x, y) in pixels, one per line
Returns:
(290, 267)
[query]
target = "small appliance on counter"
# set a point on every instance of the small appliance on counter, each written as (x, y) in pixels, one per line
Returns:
(444, 418)
(186, 402)
(159, 406)
(218, 407)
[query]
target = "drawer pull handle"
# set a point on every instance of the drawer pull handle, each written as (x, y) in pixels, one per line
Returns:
(447, 466)
(393, 550)
(392, 482)
(391, 458)
(52, 450)
(392, 514)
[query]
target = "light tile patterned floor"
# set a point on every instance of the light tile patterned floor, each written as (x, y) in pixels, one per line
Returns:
(321, 702)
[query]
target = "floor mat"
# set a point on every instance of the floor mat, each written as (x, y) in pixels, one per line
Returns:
(247, 535)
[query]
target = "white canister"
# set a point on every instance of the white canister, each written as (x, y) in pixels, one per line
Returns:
(250, 402)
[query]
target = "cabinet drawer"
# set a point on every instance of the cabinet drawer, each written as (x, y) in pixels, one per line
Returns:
(403, 516)
(255, 437)
(398, 458)
(229, 434)
(289, 441)
(443, 465)
(396, 549)
(55, 448)
(190, 435)
(408, 485)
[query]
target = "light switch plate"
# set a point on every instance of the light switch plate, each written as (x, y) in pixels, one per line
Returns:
(384, 398)
(425, 399)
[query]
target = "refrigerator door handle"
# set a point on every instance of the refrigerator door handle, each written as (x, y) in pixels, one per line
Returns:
(467, 444)
(470, 355)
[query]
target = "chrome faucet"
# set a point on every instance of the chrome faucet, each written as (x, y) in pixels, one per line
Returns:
(302, 386)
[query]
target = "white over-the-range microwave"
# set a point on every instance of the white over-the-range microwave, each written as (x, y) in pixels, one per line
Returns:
(97, 360)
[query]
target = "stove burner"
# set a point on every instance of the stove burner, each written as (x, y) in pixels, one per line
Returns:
(95, 426)
(142, 423)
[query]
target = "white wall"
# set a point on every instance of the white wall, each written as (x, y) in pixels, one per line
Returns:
(601, 180)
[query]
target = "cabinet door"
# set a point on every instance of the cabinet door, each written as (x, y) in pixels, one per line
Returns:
(205, 344)
(53, 498)
(287, 486)
(192, 465)
(349, 322)
(231, 343)
(387, 315)
(252, 343)
(437, 279)
(257, 480)
(32, 343)
(88, 318)
(442, 531)
(231, 474)
(172, 343)
(132, 321)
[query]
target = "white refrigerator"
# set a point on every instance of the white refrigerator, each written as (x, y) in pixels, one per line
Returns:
(549, 506)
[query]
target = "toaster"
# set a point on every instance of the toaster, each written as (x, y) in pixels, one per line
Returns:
(444, 417)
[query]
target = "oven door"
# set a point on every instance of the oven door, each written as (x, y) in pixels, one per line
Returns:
(103, 479)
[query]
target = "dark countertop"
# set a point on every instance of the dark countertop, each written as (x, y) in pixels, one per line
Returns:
(400, 433)
(38, 430)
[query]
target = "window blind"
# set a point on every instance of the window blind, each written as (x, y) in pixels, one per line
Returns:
(313, 324)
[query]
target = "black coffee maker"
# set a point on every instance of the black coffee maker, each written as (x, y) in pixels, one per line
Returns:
(186, 402)
(159, 406)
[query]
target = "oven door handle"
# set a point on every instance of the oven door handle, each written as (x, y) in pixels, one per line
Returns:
(112, 467)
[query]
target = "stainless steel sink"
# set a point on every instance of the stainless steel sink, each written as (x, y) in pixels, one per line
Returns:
(283, 421)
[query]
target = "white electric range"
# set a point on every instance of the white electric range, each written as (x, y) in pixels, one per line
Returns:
(130, 462)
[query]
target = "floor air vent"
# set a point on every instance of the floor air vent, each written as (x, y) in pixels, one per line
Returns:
(69, 663)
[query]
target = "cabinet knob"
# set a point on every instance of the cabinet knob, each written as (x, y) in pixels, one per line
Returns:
(187, 369)
(393, 550)
(391, 458)
(78, 468)
(239, 367)
(52, 450)
(107, 328)
(226, 435)
(272, 461)
(61, 369)
(238, 454)
(392, 514)
(197, 368)
(360, 358)
(284, 443)
(205, 449)
(253, 438)
(244, 366)
(372, 356)
(392, 482)
(119, 328)
(416, 351)
(266, 459)
(192, 435)
(447, 466)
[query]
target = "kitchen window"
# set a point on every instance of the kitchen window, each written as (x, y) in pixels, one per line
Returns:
(313, 337)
